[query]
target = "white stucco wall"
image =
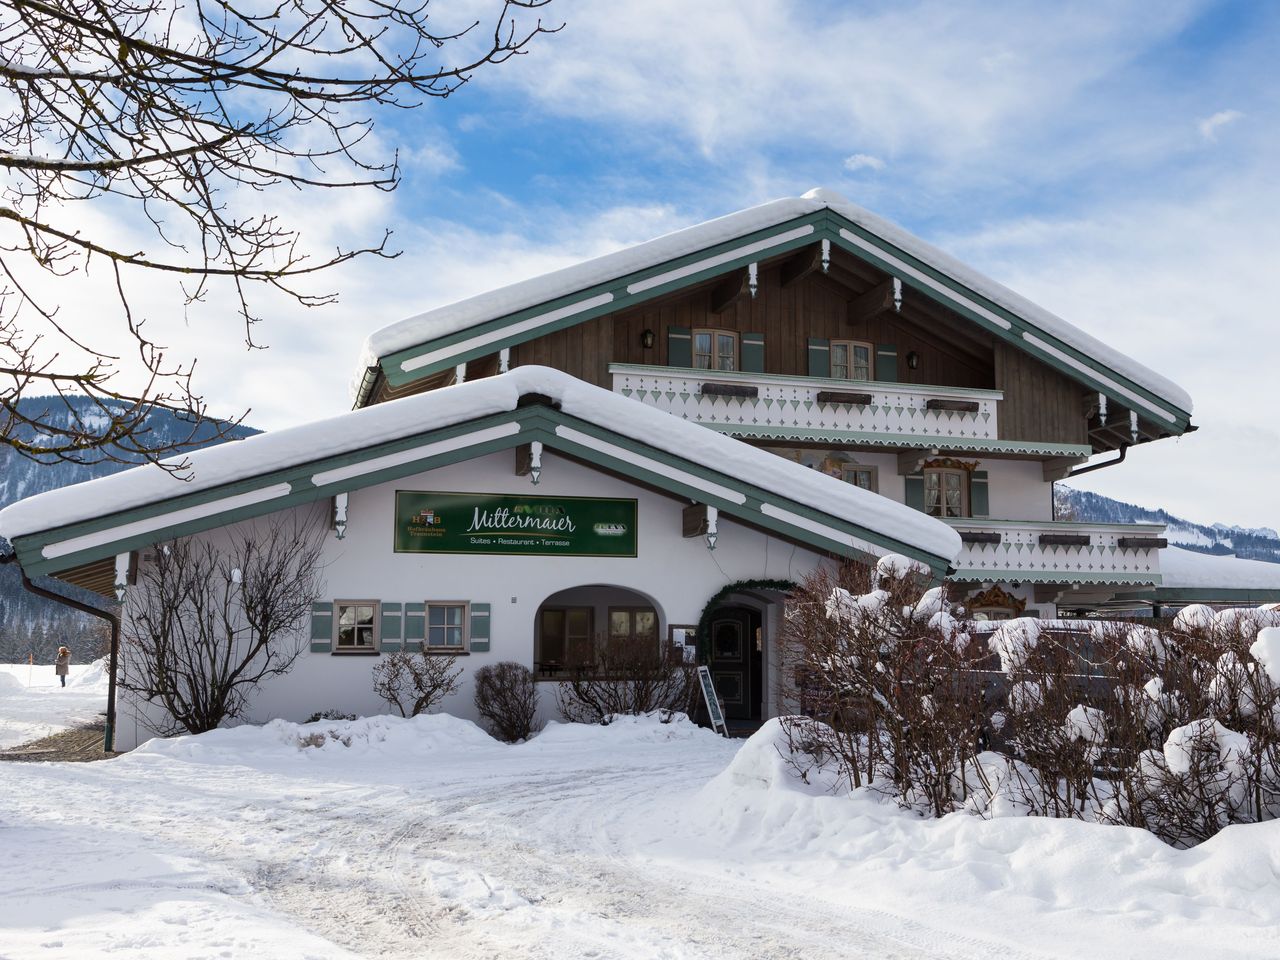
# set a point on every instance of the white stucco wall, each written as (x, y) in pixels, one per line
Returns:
(679, 575)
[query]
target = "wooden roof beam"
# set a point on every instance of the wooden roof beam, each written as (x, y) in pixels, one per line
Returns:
(729, 291)
(804, 263)
(879, 299)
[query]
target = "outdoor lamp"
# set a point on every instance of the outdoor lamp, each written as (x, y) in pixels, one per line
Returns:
(646, 339)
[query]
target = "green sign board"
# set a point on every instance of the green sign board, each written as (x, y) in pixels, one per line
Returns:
(499, 523)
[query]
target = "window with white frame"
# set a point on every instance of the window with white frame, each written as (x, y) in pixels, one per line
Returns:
(852, 360)
(861, 476)
(946, 492)
(446, 625)
(715, 350)
(357, 626)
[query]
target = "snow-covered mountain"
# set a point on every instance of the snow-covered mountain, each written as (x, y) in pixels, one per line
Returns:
(29, 624)
(1254, 543)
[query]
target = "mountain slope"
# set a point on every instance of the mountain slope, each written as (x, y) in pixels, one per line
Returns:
(1253, 543)
(30, 625)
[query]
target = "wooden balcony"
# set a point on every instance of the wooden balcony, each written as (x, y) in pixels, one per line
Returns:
(1062, 552)
(771, 406)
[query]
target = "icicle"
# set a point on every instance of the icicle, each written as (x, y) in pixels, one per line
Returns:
(826, 254)
(504, 359)
(535, 461)
(1133, 425)
(897, 295)
(122, 575)
(340, 514)
(460, 373)
(713, 515)
(1102, 407)
(753, 278)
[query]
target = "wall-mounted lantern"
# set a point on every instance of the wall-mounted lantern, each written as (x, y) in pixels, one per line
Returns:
(913, 360)
(646, 339)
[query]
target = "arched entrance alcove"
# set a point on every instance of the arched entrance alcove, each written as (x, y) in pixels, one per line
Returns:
(571, 624)
(742, 653)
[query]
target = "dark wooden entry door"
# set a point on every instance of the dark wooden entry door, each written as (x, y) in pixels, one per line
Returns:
(737, 661)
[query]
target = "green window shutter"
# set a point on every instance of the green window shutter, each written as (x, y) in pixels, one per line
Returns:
(415, 625)
(979, 501)
(819, 358)
(321, 627)
(679, 347)
(915, 491)
(480, 628)
(753, 353)
(389, 642)
(886, 362)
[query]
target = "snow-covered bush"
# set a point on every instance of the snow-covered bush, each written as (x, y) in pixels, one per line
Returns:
(507, 699)
(1172, 728)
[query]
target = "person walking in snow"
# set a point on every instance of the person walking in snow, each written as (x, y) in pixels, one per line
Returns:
(62, 665)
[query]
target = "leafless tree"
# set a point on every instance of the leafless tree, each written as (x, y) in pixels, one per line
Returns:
(205, 626)
(174, 116)
(413, 683)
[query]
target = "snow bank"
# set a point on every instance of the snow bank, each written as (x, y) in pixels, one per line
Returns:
(92, 676)
(368, 737)
(11, 684)
(620, 730)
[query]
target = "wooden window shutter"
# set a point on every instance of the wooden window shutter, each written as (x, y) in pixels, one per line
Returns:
(819, 357)
(679, 347)
(389, 640)
(321, 627)
(479, 628)
(979, 499)
(415, 625)
(886, 362)
(915, 491)
(752, 353)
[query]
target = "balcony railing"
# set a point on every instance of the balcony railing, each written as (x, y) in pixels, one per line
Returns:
(1059, 552)
(763, 405)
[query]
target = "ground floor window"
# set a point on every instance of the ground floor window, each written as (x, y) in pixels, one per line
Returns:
(565, 642)
(357, 625)
(446, 625)
(633, 623)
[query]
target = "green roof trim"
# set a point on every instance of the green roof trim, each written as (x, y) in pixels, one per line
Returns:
(493, 335)
(556, 430)
(904, 440)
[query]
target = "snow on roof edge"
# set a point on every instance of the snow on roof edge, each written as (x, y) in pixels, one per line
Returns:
(463, 314)
(1190, 569)
(360, 429)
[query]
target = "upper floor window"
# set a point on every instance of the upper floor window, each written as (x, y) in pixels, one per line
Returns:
(851, 360)
(946, 492)
(715, 350)
(860, 476)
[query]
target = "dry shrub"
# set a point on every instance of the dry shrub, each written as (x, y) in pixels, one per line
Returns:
(507, 698)
(631, 676)
(1172, 727)
(413, 683)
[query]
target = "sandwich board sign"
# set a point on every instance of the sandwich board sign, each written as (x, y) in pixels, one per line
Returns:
(712, 701)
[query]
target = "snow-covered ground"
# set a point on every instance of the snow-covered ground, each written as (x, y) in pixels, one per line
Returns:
(33, 704)
(425, 838)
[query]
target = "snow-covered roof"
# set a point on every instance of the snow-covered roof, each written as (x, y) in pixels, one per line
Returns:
(453, 318)
(411, 416)
(1183, 569)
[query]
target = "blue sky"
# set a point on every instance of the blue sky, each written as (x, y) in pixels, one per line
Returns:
(1116, 162)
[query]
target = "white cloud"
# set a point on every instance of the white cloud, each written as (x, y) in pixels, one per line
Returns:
(1210, 126)
(862, 161)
